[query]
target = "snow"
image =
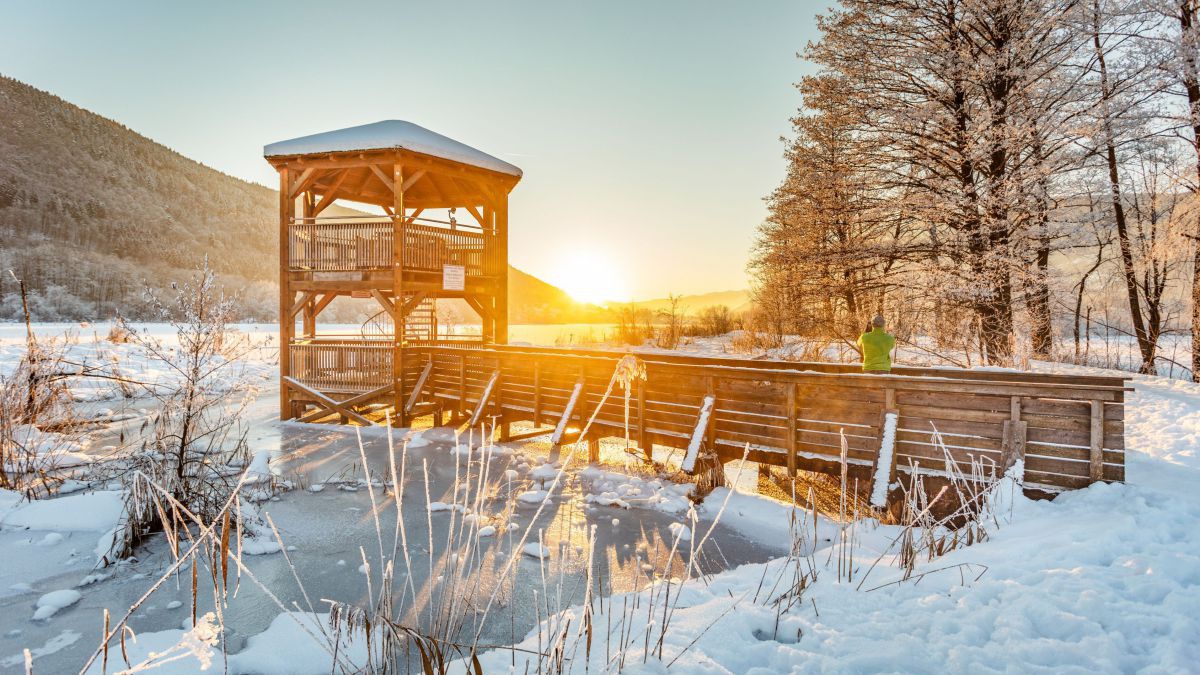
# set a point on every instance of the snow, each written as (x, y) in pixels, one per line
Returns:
(46, 450)
(1105, 579)
(883, 466)
(681, 532)
(536, 550)
(49, 604)
(545, 472)
(79, 511)
(260, 545)
(622, 490)
(533, 496)
(259, 470)
(53, 645)
(295, 643)
(390, 135)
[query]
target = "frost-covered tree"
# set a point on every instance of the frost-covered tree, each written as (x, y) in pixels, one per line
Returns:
(958, 112)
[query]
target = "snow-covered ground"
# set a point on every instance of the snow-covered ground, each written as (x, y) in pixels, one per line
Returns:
(1105, 579)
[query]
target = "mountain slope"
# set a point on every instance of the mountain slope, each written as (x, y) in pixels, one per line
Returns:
(738, 301)
(91, 211)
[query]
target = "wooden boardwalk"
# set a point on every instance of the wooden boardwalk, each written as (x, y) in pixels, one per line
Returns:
(1067, 430)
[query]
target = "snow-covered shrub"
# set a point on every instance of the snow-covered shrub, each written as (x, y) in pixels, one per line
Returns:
(38, 430)
(194, 431)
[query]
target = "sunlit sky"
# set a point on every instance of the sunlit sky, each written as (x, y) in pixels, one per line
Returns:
(648, 130)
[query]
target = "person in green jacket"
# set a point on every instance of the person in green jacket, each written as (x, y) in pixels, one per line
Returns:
(876, 346)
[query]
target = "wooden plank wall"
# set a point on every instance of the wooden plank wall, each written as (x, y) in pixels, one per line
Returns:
(792, 414)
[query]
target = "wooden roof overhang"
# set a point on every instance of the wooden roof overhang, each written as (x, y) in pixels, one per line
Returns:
(366, 177)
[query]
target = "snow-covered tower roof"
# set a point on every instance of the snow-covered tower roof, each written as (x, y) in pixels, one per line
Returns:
(357, 164)
(390, 135)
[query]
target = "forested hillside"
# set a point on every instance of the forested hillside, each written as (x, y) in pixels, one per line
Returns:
(91, 213)
(90, 210)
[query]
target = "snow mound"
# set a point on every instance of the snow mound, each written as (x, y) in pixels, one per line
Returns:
(49, 604)
(533, 496)
(610, 488)
(535, 550)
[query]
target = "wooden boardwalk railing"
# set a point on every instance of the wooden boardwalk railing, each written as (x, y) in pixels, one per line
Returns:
(1068, 431)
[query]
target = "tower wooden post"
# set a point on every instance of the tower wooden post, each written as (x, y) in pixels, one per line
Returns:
(501, 290)
(488, 323)
(398, 216)
(287, 208)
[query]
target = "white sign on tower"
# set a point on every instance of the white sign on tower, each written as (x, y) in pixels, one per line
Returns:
(454, 278)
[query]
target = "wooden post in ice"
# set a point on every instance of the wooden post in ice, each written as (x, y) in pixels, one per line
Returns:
(1096, 463)
(701, 458)
(642, 438)
(561, 428)
(1012, 445)
(885, 458)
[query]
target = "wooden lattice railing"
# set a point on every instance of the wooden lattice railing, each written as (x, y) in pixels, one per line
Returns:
(341, 366)
(351, 245)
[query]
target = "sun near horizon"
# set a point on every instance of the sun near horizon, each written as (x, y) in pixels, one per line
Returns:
(592, 277)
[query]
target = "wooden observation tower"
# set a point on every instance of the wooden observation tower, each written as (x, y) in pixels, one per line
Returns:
(403, 261)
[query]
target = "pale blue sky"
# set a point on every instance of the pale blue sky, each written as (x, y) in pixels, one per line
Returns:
(648, 131)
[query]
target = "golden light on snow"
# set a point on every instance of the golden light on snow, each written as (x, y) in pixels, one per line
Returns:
(591, 276)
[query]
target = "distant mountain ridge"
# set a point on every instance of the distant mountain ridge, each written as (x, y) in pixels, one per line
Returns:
(738, 301)
(90, 210)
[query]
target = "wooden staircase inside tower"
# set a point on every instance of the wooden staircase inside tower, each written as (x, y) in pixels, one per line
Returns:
(420, 326)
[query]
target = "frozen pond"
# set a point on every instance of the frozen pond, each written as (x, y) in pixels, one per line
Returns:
(329, 524)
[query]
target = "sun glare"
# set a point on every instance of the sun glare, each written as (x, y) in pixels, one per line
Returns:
(589, 276)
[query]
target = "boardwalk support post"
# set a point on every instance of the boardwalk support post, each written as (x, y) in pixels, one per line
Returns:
(415, 396)
(884, 478)
(1096, 459)
(642, 438)
(561, 428)
(792, 391)
(1012, 446)
(486, 396)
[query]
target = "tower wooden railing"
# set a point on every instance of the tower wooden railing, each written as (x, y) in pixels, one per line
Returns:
(334, 366)
(336, 245)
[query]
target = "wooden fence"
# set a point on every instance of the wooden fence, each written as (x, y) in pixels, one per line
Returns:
(1067, 430)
